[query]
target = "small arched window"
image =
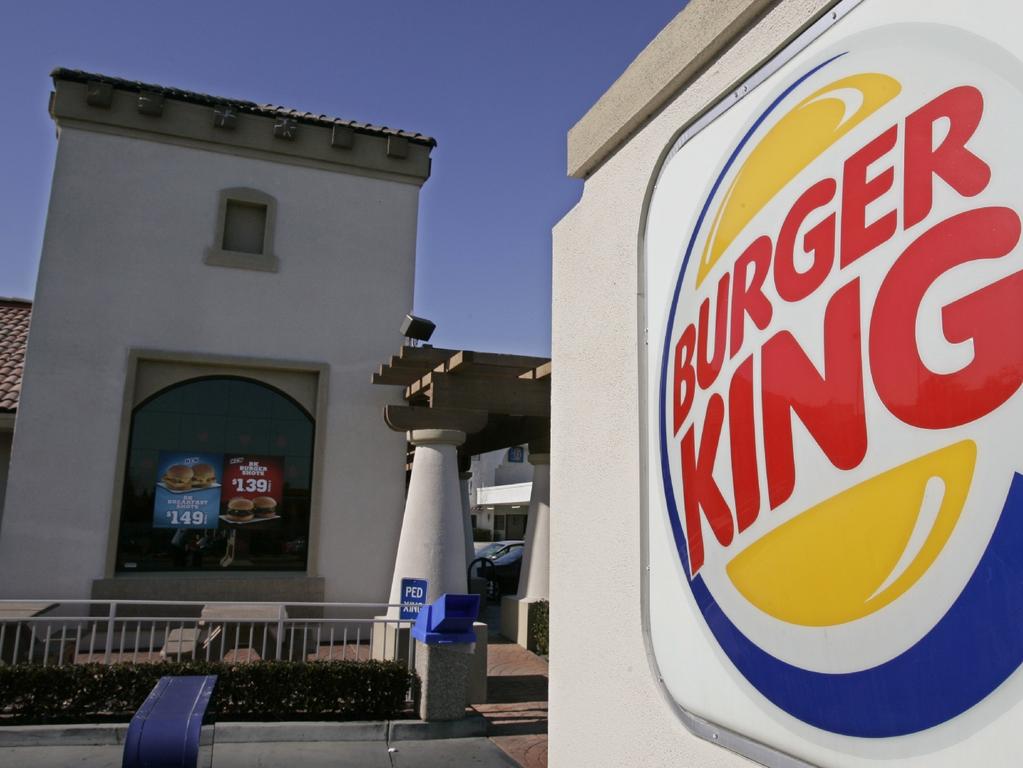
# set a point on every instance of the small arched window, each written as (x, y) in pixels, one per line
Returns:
(244, 237)
(218, 477)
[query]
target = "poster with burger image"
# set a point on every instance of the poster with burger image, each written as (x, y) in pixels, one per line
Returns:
(252, 489)
(187, 493)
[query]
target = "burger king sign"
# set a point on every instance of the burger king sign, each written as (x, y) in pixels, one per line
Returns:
(835, 388)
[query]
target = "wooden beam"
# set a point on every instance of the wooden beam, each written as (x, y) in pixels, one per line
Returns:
(410, 364)
(540, 372)
(505, 361)
(504, 431)
(404, 418)
(421, 356)
(492, 364)
(540, 443)
(415, 367)
(391, 377)
(513, 396)
(418, 387)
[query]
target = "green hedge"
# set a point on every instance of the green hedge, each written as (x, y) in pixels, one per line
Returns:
(539, 626)
(266, 690)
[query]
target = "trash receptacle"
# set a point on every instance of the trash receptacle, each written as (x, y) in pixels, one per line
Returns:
(445, 641)
(173, 727)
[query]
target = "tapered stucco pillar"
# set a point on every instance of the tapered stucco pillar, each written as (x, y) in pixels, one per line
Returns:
(470, 552)
(534, 577)
(432, 542)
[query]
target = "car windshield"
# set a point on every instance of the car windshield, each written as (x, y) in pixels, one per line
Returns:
(490, 550)
(509, 550)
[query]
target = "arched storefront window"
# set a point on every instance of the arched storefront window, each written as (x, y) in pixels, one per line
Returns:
(218, 478)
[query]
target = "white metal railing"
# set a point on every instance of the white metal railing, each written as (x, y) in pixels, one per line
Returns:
(60, 632)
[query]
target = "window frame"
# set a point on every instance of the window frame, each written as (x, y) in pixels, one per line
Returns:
(199, 364)
(314, 467)
(217, 256)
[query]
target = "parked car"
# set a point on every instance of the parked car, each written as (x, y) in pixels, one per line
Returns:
(503, 577)
(488, 548)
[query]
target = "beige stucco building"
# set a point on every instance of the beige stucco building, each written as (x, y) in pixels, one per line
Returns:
(498, 492)
(217, 280)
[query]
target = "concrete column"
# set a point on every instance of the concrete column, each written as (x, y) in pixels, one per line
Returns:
(534, 577)
(470, 552)
(432, 543)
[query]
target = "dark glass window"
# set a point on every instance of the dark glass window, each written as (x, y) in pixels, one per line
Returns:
(244, 227)
(220, 423)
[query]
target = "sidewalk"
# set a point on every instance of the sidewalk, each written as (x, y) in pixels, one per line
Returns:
(438, 753)
(517, 701)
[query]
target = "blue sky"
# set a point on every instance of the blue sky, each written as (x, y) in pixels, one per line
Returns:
(497, 83)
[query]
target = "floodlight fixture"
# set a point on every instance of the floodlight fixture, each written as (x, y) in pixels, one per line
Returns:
(417, 328)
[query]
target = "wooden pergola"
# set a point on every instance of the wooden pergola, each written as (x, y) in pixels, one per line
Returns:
(497, 400)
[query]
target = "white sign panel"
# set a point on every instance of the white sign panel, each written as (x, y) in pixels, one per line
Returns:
(834, 281)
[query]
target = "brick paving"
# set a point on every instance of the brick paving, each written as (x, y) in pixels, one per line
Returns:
(516, 707)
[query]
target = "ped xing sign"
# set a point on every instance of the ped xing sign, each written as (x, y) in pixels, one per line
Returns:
(413, 597)
(834, 379)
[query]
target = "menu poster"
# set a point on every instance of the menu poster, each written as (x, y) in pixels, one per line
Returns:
(187, 493)
(253, 488)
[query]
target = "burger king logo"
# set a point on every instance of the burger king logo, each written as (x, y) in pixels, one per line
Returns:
(840, 408)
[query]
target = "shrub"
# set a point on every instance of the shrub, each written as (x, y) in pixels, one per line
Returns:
(539, 626)
(267, 690)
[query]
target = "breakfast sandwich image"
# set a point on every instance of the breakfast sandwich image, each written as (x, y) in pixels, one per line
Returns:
(178, 477)
(203, 476)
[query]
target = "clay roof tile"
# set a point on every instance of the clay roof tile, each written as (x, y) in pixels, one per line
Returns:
(14, 321)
